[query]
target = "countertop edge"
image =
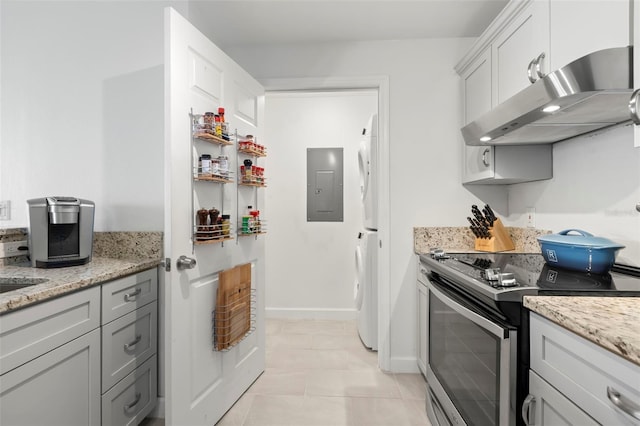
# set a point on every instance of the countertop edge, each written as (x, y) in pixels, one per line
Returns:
(117, 268)
(580, 316)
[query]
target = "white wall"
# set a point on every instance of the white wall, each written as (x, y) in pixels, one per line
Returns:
(595, 187)
(425, 154)
(82, 108)
(310, 267)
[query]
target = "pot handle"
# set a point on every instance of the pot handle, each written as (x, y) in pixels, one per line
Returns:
(579, 231)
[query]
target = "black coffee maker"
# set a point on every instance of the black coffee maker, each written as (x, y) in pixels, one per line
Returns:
(60, 231)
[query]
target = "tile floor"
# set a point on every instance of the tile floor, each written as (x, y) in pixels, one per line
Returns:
(319, 373)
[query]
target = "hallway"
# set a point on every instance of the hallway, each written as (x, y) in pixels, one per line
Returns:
(319, 373)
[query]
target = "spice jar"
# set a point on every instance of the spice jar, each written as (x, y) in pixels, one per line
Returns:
(226, 224)
(204, 164)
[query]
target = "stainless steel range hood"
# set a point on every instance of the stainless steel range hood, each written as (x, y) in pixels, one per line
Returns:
(592, 92)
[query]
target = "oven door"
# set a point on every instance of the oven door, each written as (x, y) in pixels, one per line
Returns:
(472, 363)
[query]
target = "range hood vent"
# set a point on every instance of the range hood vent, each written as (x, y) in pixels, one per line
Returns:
(591, 92)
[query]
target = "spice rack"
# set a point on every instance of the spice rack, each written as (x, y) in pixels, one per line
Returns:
(250, 175)
(208, 170)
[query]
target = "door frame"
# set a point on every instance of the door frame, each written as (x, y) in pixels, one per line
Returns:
(381, 84)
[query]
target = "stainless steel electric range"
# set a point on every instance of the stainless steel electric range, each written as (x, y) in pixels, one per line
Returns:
(478, 329)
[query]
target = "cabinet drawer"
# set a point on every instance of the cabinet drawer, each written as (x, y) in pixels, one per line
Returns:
(551, 408)
(61, 387)
(30, 332)
(127, 294)
(582, 371)
(135, 396)
(127, 342)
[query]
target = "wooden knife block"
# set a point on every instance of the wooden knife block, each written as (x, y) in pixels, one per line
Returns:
(500, 239)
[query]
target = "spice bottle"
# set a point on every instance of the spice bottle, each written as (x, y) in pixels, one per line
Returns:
(226, 224)
(218, 126)
(204, 164)
(225, 129)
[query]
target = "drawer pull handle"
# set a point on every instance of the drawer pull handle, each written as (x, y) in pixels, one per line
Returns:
(128, 346)
(128, 407)
(130, 297)
(623, 403)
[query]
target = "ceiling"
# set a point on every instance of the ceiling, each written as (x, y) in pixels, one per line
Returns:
(255, 22)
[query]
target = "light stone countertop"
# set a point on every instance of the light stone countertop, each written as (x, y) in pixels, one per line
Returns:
(65, 280)
(459, 239)
(610, 322)
(115, 255)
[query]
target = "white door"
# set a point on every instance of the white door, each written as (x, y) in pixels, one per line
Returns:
(201, 384)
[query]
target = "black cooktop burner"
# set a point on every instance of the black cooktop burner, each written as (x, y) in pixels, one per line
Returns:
(528, 274)
(532, 270)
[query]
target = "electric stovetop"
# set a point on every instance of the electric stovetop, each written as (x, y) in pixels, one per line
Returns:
(509, 276)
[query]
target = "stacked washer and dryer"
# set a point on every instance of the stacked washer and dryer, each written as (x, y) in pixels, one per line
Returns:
(366, 284)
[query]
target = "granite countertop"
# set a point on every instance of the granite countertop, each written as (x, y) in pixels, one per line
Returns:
(459, 239)
(65, 280)
(610, 322)
(115, 255)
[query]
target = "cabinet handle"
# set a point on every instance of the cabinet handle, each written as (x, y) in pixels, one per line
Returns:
(530, 74)
(623, 403)
(485, 159)
(128, 407)
(527, 411)
(128, 346)
(535, 63)
(130, 297)
(634, 108)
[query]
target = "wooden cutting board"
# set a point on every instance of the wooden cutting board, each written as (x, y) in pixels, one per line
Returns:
(233, 306)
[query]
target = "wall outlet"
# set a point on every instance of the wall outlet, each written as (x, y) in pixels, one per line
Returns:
(12, 249)
(531, 217)
(5, 210)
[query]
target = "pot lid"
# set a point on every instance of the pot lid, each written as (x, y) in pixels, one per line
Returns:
(582, 238)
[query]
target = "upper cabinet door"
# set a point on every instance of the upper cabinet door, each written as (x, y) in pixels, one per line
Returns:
(517, 48)
(476, 80)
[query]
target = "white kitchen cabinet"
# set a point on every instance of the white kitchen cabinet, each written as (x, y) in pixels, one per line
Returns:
(528, 40)
(548, 407)
(133, 397)
(476, 81)
(423, 319)
(496, 164)
(56, 360)
(129, 348)
(598, 382)
(522, 45)
(56, 383)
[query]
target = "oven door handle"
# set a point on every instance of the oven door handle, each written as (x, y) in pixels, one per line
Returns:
(477, 319)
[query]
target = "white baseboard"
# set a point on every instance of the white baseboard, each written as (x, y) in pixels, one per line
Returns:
(158, 412)
(308, 313)
(403, 365)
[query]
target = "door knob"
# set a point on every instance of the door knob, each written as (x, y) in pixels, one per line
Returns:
(185, 262)
(633, 107)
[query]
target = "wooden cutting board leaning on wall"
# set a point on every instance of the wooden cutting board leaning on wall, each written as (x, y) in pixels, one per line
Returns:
(233, 306)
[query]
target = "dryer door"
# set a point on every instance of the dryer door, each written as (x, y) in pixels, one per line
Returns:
(358, 287)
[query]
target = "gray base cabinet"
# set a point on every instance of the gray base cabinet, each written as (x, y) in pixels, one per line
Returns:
(87, 358)
(129, 348)
(548, 407)
(61, 387)
(576, 382)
